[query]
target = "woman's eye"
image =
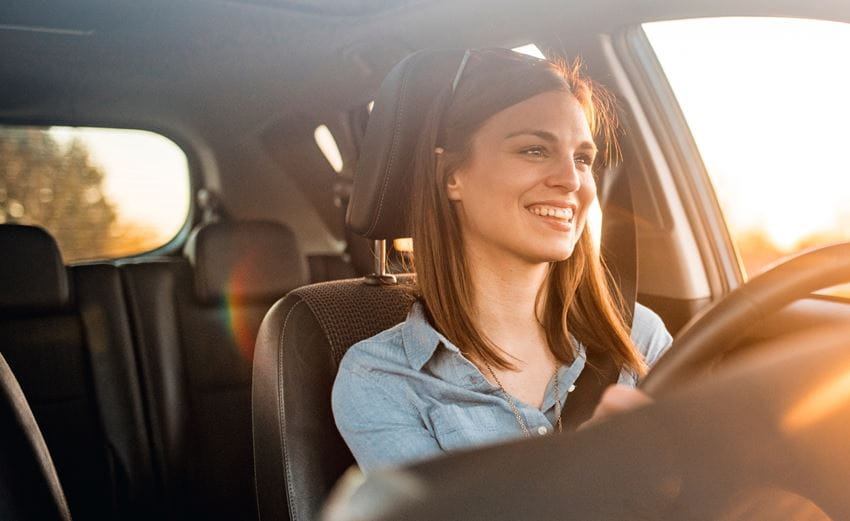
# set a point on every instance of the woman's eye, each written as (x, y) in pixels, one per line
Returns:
(535, 151)
(584, 160)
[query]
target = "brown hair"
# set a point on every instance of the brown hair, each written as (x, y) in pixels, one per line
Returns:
(578, 299)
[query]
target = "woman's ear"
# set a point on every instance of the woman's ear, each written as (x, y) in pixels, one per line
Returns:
(454, 186)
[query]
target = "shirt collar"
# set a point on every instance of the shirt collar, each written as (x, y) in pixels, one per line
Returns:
(420, 338)
(421, 341)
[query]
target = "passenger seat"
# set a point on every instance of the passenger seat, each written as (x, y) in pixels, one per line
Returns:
(196, 321)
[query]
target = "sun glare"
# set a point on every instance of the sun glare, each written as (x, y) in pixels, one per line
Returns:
(529, 49)
(766, 101)
(819, 403)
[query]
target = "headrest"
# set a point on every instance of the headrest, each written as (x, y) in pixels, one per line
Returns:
(32, 275)
(247, 260)
(381, 195)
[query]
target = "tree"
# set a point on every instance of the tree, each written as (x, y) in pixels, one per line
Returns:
(57, 187)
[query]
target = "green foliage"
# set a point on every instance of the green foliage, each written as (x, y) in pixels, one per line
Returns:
(54, 186)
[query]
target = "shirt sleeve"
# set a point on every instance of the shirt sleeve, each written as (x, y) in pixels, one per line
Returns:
(649, 334)
(381, 427)
(651, 338)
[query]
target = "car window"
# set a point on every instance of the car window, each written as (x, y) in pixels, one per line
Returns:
(766, 101)
(327, 144)
(102, 193)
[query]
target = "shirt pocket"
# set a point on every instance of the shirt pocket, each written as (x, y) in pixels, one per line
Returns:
(467, 426)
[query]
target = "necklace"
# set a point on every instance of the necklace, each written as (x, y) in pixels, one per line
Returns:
(520, 420)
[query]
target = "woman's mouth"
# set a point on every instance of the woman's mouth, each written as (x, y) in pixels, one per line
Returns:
(554, 212)
(559, 218)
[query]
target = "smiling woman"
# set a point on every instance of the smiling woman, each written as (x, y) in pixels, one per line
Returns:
(513, 303)
(500, 186)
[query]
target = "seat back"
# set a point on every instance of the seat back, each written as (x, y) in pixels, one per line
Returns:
(298, 453)
(196, 324)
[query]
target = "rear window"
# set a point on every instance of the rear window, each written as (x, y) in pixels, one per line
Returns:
(102, 193)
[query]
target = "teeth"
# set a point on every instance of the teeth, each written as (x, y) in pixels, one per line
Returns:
(550, 211)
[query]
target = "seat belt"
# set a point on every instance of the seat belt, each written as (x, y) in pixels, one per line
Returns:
(599, 372)
(620, 253)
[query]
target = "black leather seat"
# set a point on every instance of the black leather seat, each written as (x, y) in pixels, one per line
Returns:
(298, 453)
(196, 321)
(68, 342)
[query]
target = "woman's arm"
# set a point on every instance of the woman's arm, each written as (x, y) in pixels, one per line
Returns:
(381, 427)
(652, 339)
(649, 334)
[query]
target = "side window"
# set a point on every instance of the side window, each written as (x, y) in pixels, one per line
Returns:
(766, 101)
(102, 193)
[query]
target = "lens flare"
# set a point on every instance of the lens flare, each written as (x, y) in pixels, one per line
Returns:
(819, 403)
(239, 317)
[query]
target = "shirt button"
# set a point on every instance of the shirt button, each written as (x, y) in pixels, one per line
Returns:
(572, 388)
(542, 430)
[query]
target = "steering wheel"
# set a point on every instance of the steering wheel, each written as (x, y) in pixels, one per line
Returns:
(712, 332)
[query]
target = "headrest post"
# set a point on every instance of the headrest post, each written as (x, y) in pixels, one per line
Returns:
(380, 257)
(381, 275)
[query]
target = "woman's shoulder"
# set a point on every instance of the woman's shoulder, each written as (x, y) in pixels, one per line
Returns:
(649, 334)
(376, 352)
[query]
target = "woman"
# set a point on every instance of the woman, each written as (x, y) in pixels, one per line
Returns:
(512, 294)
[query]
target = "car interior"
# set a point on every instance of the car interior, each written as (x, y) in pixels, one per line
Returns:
(193, 381)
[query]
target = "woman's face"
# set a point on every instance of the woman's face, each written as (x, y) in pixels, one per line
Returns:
(527, 187)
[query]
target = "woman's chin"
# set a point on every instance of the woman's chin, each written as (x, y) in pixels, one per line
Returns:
(553, 254)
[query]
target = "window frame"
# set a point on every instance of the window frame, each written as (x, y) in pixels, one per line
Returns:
(194, 172)
(679, 153)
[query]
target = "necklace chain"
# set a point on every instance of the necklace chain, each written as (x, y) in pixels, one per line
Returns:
(520, 420)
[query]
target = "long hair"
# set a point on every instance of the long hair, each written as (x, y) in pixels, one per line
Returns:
(578, 300)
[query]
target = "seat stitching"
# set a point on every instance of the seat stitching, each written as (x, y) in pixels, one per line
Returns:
(393, 151)
(282, 415)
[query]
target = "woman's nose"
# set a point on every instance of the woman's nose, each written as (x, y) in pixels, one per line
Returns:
(565, 175)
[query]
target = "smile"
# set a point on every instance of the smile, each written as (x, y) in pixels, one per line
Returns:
(556, 212)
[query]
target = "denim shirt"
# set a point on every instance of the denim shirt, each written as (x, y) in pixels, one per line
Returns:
(408, 394)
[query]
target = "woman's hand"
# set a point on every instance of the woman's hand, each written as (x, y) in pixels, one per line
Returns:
(616, 399)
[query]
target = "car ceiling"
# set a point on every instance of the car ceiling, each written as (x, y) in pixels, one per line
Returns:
(223, 70)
